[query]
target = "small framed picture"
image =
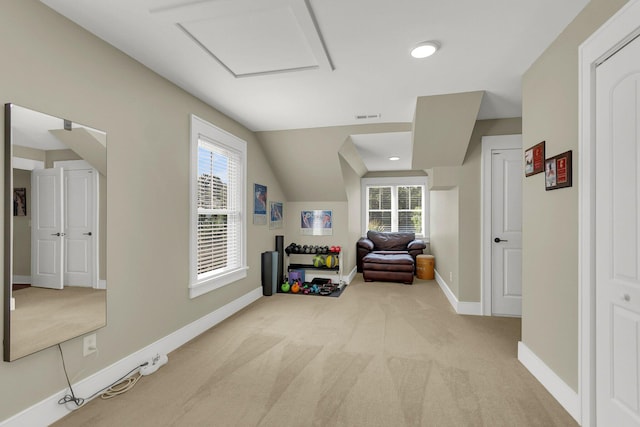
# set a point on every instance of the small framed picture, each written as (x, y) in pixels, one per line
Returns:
(259, 204)
(275, 215)
(558, 172)
(19, 202)
(534, 159)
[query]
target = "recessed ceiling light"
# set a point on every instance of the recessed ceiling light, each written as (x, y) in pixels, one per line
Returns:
(394, 158)
(425, 49)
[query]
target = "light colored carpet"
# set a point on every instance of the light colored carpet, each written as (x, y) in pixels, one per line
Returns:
(45, 317)
(383, 354)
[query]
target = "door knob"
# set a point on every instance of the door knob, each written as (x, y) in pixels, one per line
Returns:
(58, 234)
(86, 234)
(626, 297)
(498, 240)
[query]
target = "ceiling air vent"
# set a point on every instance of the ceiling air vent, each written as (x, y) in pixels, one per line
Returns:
(368, 116)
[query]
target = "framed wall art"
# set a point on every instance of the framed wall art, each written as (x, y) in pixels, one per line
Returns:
(275, 214)
(534, 159)
(259, 204)
(558, 171)
(19, 202)
(316, 223)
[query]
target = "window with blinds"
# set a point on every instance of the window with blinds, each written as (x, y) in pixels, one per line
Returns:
(396, 204)
(218, 217)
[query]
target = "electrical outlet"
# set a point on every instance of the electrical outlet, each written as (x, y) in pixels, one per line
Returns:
(451, 276)
(90, 345)
(154, 364)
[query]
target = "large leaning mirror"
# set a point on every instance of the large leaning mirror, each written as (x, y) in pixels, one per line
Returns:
(55, 228)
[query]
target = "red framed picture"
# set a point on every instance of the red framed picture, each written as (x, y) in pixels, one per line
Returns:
(558, 172)
(534, 159)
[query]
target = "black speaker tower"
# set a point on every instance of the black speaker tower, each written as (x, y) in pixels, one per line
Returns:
(280, 266)
(267, 273)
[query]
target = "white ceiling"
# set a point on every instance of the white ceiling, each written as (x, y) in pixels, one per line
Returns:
(376, 148)
(287, 64)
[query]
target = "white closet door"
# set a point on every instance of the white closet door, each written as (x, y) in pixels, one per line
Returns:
(506, 228)
(79, 227)
(47, 232)
(618, 239)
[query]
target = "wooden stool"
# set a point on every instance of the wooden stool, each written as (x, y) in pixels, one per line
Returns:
(425, 267)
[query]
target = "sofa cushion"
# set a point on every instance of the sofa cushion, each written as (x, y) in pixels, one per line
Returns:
(390, 241)
(393, 258)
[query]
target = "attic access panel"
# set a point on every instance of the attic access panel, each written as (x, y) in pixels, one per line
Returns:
(254, 38)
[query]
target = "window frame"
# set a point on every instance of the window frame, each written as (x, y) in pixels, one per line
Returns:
(199, 285)
(396, 182)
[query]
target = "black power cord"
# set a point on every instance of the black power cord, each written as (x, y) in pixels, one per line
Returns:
(79, 401)
(69, 397)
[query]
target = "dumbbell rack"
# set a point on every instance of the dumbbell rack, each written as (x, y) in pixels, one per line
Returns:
(315, 271)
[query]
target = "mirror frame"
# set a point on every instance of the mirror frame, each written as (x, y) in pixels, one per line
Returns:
(9, 235)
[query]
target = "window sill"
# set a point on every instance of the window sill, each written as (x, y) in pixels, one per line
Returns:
(210, 284)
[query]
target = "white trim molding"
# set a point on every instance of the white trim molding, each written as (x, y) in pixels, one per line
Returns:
(206, 136)
(18, 279)
(351, 276)
(564, 394)
(608, 39)
(48, 410)
(460, 307)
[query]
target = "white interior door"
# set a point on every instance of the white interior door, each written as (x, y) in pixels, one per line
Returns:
(506, 232)
(47, 233)
(618, 238)
(80, 229)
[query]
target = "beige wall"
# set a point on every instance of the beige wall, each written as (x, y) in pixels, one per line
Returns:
(59, 156)
(22, 228)
(354, 226)
(340, 236)
(550, 219)
(29, 153)
(456, 213)
(445, 235)
(470, 199)
(53, 66)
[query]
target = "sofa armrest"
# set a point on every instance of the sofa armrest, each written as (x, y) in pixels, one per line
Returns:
(417, 244)
(365, 243)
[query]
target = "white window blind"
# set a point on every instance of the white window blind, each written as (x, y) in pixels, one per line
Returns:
(396, 204)
(410, 208)
(219, 214)
(379, 215)
(218, 217)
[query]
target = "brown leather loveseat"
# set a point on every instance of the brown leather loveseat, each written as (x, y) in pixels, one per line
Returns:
(388, 256)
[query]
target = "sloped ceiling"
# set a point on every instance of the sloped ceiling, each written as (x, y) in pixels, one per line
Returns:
(442, 128)
(306, 161)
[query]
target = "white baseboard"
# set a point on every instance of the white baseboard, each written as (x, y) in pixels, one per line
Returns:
(461, 307)
(351, 275)
(21, 280)
(48, 411)
(17, 279)
(564, 394)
